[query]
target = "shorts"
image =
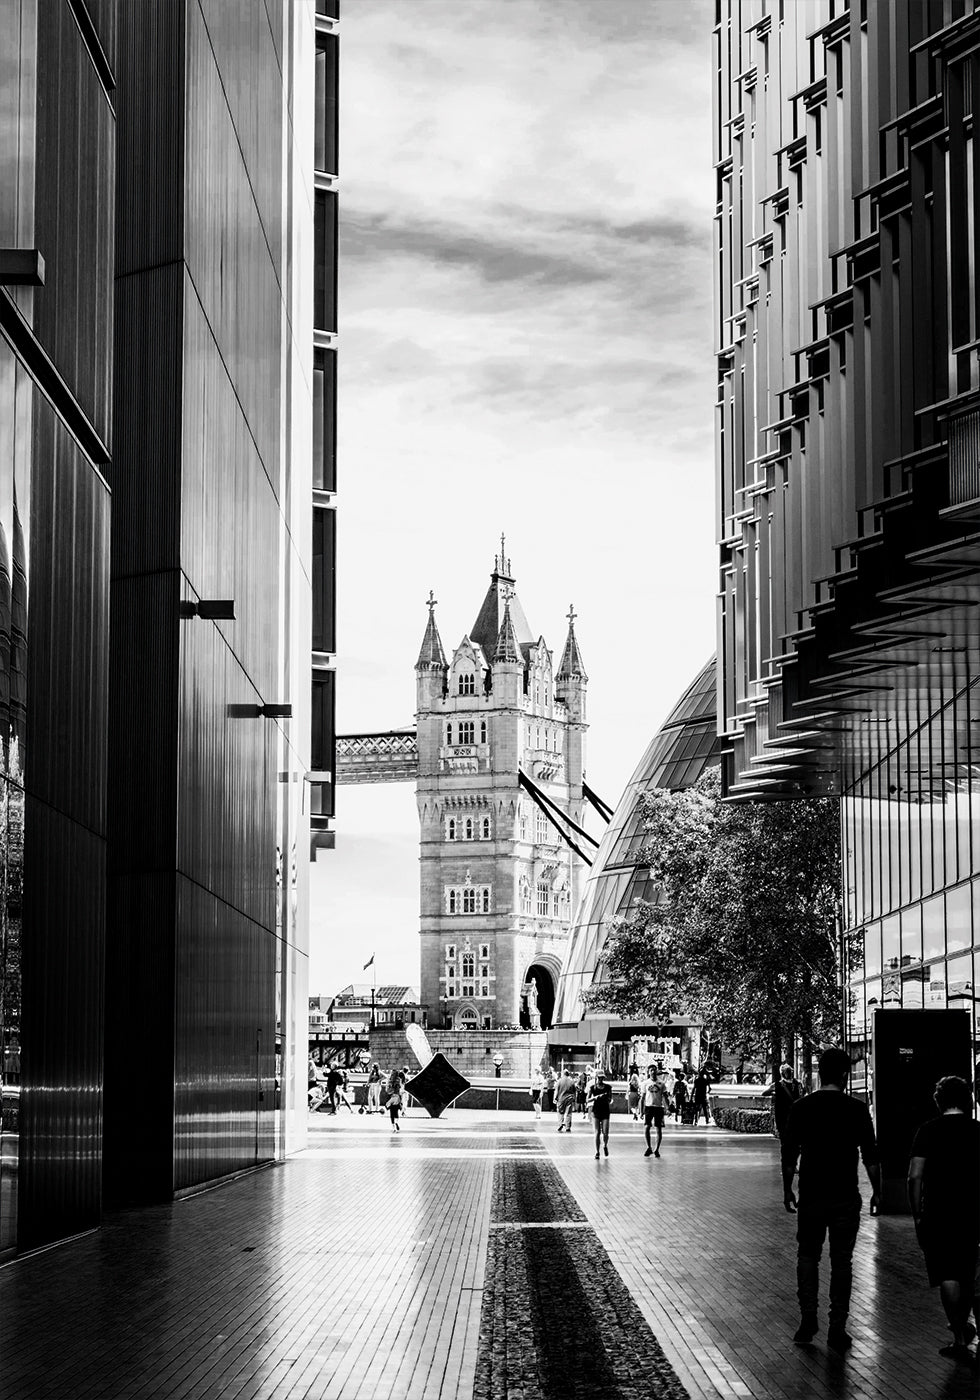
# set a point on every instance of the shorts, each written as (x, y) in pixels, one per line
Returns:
(949, 1252)
(653, 1115)
(535, 1095)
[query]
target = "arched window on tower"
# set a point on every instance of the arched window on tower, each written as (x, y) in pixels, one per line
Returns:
(469, 828)
(452, 901)
(469, 965)
(467, 683)
(483, 731)
(449, 734)
(486, 828)
(525, 895)
(486, 899)
(469, 900)
(543, 900)
(451, 830)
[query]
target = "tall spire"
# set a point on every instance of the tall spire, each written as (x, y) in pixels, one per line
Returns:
(572, 667)
(431, 656)
(490, 619)
(508, 647)
(501, 564)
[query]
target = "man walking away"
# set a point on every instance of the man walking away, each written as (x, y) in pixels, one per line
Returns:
(566, 1100)
(600, 1103)
(944, 1193)
(784, 1092)
(655, 1103)
(824, 1133)
(701, 1086)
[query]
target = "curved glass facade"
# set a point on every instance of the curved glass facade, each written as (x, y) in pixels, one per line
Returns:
(685, 745)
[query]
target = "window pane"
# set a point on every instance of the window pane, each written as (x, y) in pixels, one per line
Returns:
(959, 925)
(324, 420)
(324, 580)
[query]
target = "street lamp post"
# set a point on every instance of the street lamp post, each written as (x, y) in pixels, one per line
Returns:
(498, 1060)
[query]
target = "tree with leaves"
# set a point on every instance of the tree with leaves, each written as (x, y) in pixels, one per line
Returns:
(742, 931)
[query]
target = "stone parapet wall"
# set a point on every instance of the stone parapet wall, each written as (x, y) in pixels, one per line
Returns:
(471, 1052)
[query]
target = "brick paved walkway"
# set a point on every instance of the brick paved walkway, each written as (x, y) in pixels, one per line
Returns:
(356, 1271)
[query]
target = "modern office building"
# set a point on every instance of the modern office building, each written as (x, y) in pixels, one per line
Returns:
(322, 779)
(848, 307)
(499, 883)
(157, 383)
(683, 747)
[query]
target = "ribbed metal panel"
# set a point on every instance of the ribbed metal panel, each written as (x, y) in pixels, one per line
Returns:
(61, 1080)
(225, 1017)
(57, 181)
(73, 214)
(150, 120)
(964, 458)
(68, 654)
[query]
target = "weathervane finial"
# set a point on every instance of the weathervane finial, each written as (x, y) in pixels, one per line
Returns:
(431, 601)
(571, 615)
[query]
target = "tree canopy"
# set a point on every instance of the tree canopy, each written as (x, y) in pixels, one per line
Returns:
(741, 931)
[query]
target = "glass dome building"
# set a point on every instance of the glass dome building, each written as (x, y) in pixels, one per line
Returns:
(685, 745)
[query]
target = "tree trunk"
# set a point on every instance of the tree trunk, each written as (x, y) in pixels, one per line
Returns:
(776, 1050)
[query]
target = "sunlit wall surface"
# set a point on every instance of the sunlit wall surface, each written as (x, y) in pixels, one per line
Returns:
(211, 501)
(847, 315)
(685, 745)
(57, 151)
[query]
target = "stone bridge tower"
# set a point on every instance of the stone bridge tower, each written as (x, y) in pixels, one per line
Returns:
(499, 887)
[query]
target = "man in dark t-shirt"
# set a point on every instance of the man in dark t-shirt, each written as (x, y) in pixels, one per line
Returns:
(944, 1193)
(825, 1132)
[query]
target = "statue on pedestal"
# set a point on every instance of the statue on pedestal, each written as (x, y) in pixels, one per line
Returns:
(530, 990)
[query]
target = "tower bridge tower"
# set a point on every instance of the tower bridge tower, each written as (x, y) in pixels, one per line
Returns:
(499, 886)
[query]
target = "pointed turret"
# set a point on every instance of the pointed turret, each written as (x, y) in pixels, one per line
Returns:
(431, 670)
(431, 656)
(508, 646)
(572, 667)
(487, 627)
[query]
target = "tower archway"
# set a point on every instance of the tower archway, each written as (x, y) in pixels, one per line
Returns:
(545, 982)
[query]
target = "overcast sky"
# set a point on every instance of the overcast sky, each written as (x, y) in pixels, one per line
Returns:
(525, 345)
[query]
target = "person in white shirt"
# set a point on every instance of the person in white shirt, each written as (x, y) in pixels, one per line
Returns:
(656, 1101)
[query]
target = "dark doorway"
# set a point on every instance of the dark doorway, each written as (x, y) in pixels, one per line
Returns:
(545, 986)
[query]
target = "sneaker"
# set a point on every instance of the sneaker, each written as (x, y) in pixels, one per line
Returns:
(956, 1352)
(807, 1330)
(597, 1156)
(838, 1339)
(605, 1149)
(560, 1128)
(657, 1153)
(648, 1152)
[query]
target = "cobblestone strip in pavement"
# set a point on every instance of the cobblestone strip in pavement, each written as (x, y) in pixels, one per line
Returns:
(558, 1321)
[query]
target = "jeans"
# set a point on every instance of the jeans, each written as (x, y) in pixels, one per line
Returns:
(374, 1097)
(566, 1115)
(815, 1223)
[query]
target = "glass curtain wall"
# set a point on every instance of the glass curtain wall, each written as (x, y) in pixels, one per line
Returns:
(911, 843)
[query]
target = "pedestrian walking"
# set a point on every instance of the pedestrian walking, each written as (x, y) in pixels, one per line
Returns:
(824, 1133)
(395, 1086)
(944, 1193)
(784, 1092)
(600, 1105)
(680, 1094)
(334, 1080)
(536, 1090)
(548, 1092)
(566, 1092)
(656, 1101)
(406, 1076)
(633, 1095)
(699, 1094)
(580, 1094)
(343, 1092)
(374, 1089)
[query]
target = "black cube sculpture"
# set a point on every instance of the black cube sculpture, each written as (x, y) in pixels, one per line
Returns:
(437, 1085)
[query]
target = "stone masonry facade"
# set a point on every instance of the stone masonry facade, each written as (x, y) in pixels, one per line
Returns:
(499, 885)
